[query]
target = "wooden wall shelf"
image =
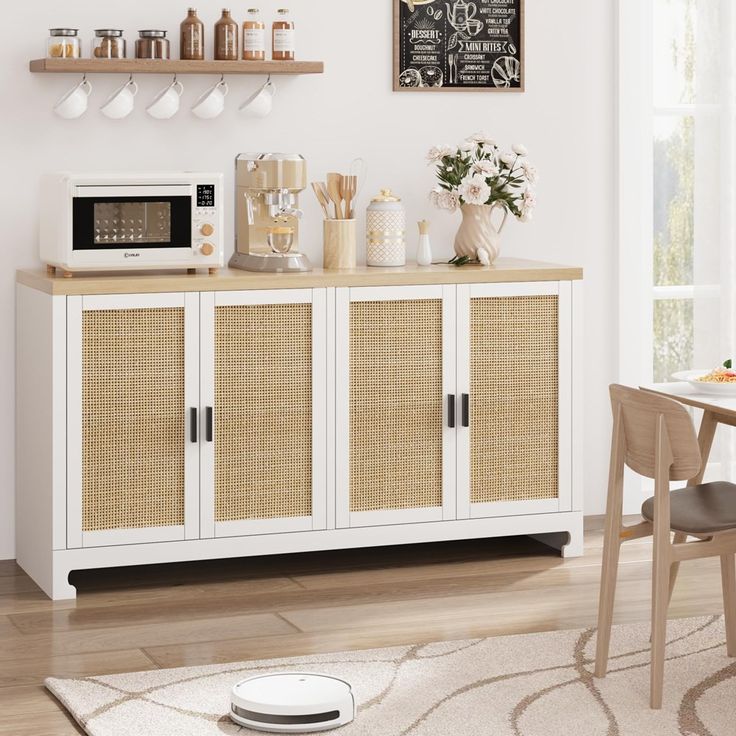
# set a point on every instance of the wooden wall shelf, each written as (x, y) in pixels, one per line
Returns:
(172, 66)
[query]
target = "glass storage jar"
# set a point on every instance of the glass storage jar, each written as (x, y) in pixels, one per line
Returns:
(63, 43)
(108, 43)
(152, 45)
(282, 41)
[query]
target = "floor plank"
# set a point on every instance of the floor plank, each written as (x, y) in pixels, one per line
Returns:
(30, 670)
(56, 723)
(9, 568)
(82, 640)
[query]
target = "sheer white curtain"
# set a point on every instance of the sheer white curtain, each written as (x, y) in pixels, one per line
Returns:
(677, 191)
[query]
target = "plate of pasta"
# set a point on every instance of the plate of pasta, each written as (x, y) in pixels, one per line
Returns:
(720, 381)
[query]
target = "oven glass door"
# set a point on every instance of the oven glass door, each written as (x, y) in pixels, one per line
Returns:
(158, 219)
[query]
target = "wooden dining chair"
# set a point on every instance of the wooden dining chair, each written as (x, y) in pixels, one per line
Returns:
(655, 437)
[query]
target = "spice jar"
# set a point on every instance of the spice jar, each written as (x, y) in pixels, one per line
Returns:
(284, 41)
(385, 231)
(191, 42)
(227, 33)
(254, 36)
(108, 43)
(152, 45)
(63, 43)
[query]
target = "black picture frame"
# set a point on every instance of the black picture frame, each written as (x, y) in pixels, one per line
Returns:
(458, 46)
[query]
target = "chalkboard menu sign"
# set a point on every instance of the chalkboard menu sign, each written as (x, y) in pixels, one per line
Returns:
(459, 45)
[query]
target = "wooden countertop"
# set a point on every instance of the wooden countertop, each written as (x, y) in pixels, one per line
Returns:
(505, 270)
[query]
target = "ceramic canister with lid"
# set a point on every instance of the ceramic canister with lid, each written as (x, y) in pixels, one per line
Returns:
(386, 231)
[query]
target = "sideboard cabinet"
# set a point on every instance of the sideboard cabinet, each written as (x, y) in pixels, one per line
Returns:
(163, 419)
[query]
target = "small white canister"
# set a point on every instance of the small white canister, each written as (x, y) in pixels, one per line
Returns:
(386, 231)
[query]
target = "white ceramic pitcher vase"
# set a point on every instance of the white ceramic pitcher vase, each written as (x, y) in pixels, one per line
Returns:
(478, 238)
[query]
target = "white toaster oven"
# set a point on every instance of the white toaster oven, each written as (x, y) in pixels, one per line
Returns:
(94, 222)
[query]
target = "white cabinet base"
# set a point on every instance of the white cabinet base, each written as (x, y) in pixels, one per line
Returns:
(51, 543)
(565, 527)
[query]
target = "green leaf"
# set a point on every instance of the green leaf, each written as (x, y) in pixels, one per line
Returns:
(728, 364)
(459, 261)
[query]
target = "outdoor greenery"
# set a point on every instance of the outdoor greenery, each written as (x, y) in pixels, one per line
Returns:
(674, 187)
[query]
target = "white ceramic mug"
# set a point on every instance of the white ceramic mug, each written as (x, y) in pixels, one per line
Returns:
(260, 103)
(167, 102)
(74, 103)
(212, 102)
(121, 102)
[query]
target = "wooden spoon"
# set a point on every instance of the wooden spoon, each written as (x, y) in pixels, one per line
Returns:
(320, 192)
(348, 190)
(334, 185)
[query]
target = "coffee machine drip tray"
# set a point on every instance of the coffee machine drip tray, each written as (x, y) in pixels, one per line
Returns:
(271, 262)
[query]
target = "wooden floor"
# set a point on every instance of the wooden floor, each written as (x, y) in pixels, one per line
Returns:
(200, 613)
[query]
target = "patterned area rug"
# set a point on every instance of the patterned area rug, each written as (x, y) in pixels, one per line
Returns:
(530, 685)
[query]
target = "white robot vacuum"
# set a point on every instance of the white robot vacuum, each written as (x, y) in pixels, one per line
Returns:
(292, 702)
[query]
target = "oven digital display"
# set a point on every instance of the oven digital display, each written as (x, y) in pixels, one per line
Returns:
(205, 195)
(132, 222)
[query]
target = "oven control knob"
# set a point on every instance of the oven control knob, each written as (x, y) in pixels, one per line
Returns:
(207, 249)
(207, 229)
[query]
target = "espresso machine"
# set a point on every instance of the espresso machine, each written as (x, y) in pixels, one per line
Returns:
(267, 213)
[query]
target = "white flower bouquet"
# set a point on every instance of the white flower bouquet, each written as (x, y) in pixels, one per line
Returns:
(477, 172)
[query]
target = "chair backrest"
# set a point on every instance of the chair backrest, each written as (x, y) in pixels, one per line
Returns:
(640, 412)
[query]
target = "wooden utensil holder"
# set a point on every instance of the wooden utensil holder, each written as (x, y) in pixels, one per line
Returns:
(340, 245)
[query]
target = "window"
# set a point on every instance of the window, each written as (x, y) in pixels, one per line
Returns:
(677, 189)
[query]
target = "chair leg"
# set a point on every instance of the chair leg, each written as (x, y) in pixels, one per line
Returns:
(680, 538)
(728, 579)
(609, 575)
(660, 600)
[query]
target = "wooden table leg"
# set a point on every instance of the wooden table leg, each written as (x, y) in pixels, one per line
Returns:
(707, 432)
(705, 440)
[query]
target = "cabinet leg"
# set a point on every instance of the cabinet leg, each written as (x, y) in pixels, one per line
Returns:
(213, 271)
(51, 270)
(62, 589)
(568, 543)
(67, 274)
(191, 271)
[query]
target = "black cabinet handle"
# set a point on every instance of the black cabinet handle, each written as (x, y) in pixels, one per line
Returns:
(451, 411)
(193, 424)
(209, 420)
(465, 401)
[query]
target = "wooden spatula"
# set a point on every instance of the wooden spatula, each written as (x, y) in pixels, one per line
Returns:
(334, 185)
(348, 190)
(320, 191)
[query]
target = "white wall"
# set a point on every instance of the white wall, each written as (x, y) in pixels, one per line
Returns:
(565, 118)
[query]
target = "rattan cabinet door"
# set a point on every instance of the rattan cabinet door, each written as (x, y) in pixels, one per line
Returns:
(264, 382)
(514, 381)
(395, 375)
(133, 393)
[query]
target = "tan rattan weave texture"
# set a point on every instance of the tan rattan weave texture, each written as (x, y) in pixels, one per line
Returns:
(514, 398)
(263, 411)
(132, 418)
(395, 405)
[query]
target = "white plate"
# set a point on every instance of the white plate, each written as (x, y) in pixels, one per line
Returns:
(716, 389)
